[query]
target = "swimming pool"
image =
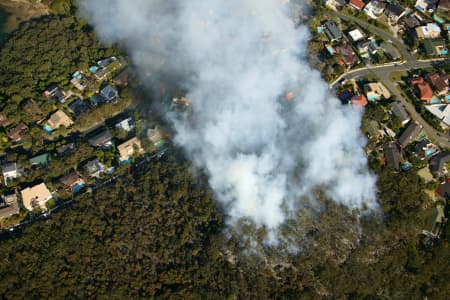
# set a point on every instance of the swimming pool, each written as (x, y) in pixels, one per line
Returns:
(78, 187)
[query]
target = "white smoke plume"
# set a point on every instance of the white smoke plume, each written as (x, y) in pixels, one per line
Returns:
(238, 60)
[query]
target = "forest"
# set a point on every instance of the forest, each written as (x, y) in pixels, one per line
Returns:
(158, 233)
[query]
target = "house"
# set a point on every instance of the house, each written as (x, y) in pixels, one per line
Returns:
(426, 5)
(424, 88)
(101, 74)
(66, 150)
(79, 80)
(439, 82)
(429, 31)
(127, 125)
(332, 31)
(443, 190)
(8, 206)
(440, 111)
(122, 78)
(435, 47)
(348, 56)
(59, 118)
(394, 12)
(410, 134)
(365, 47)
(4, 121)
(71, 180)
(357, 4)
(10, 172)
(109, 93)
(355, 35)
(18, 131)
(78, 107)
(373, 130)
(375, 91)
(102, 140)
(41, 160)
(392, 155)
(374, 8)
(97, 99)
(398, 110)
(36, 195)
(425, 149)
(437, 163)
(359, 100)
(390, 50)
(55, 93)
(410, 22)
(155, 135)
(103, 63)
(129, 148)
(94, 168)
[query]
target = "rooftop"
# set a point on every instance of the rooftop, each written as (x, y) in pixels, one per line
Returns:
(410, 134)
(36, 195)
(59, 118)
(129, 148)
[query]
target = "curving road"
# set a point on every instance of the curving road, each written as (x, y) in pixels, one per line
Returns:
(383, 72)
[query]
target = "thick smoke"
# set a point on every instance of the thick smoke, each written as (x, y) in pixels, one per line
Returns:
(262, 122)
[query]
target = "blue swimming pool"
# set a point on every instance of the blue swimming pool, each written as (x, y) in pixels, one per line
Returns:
(78, 187)
(48, 128)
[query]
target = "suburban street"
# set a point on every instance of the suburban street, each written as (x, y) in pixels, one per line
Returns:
(383, 72)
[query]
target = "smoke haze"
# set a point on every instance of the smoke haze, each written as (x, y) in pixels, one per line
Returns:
(239, 59)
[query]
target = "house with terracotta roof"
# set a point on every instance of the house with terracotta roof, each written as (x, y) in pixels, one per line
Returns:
(424, 88)
(35, 196)
(439, 82)
(349, 57)
(357, 4)
(359, 100)
(71, 180)
(18, 131)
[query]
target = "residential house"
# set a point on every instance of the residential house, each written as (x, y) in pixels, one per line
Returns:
(79, 80)
(155, 135)
(348, 55)
(366, 47)
(94, 168)
(440, 111)
(35, 196)
(78, 107)
(10, 172)
(104, 140)
(97, 99)
(59, 118)
(410, 22)
(394, 12)
(390, 50)
(410, 134)
(429, 31)
(439, 82)
(103, 63)
(435, 47)
(8, 206)
(375, 91)
(424, 88)
(426, 5)
(109, 93)
(16, 133)
(357, 4)
(4, 121)
(127, 125)
(392, 155)
(356, 35)
(374, 8)
(129, 148)
(332, 31)
(55, 93)
(398, 110)
(443, 190)
(40, 161)
(425, 149)
(437, 163)
(359, 100)
(66, 150)
(373, 130)
(101, 74)
(71, 180)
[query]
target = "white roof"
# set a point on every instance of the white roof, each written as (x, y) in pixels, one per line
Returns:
(430, 28)
(441, 111)
(356, 35)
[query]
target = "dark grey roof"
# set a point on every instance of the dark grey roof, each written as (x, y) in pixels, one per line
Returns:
(109, 93)
(92, 166)
(101, 138)
(410, 134)
(393, 9)
(78, 107)
(437, 162)
(10, 167)
(399, 111)
(332, 31)
(392, 155)
(66, 149)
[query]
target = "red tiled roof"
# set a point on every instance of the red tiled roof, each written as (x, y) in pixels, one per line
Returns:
(426, 93)
(438, 81)
(357, 4)
(359, 100)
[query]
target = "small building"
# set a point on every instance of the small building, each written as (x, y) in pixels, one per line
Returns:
(332, 31)
(398, 110)
(410, 22)
(79, 80)
(374, 8)
(425, 149)
(59, 118)
(104, 139)
(129, 148)
(357, 4)
(394, 12)
(10, 172)
(435, 47)
(410, 134)
(127, 125)
(390, 51)
(105, 62)
(94, 168)
(424, 89)
(35, 196)
(429, 31)
(375, 91)
(437, 163)
(155, 135)
(97, 99)
(4, 121)
(366, 47)
(356, 35)
(42, 160)
(66, 150)
(55, 93)
(8, 206)
(16, 133)
(426, 5)
(439, 82)
(71, 180)
(392, 155)
(109, 93)
(348, 55)
(359, 100)
(78, 107)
